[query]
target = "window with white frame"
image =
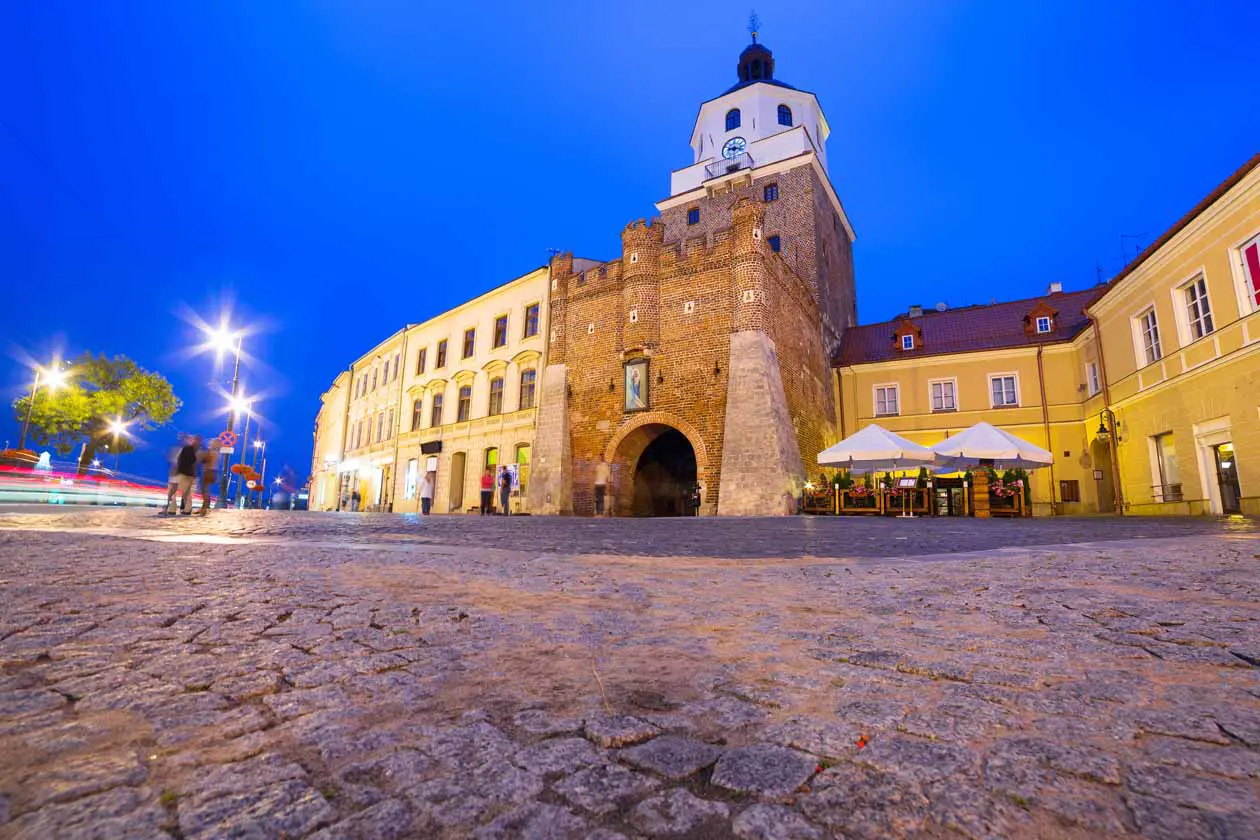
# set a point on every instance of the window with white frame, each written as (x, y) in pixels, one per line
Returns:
(1249, 254)
(1198, 310)
(943, 395)
(907, 342)
(1091, 378)
(1148, 333)
(1043, 324)
(1004, 389)
(885, 400)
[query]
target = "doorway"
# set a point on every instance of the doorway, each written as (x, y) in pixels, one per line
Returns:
(665, 477)
(457, 481)
(950, 497)
(1100, 455)
(1227, 477)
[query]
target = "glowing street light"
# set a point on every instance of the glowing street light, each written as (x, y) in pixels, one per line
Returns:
(54, 377)
(224, 339)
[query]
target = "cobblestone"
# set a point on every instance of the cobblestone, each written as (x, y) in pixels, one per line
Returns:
(374, 676)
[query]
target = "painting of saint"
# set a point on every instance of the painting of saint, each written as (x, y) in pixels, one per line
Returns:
(637, 385)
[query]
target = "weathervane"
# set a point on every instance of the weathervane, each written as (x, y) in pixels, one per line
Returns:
(754, 24)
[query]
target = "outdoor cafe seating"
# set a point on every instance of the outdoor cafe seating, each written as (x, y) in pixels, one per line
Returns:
(924, 481)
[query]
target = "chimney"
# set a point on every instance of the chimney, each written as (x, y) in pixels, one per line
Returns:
(1055, 289)
(916, 311)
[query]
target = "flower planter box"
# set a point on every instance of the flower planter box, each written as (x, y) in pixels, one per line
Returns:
(868, 502)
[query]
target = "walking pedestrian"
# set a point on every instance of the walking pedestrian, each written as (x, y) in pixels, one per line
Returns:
(186, 463)
(209, 459)
(426, 493)
(354, 500)
(172, 479)
(487, 492)
(601, 487)
(505, 488)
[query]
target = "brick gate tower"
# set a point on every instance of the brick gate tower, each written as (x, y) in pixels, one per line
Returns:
(698, 364)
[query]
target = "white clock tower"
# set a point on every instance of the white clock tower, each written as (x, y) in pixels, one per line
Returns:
(758, 121)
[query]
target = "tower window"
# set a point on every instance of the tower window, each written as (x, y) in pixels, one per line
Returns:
(785, 115)
(774, 243)
(732, 119)
(693, 216)
(756, 69)
(771, 192)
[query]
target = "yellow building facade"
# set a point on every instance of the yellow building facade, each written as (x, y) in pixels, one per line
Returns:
(1145, 389)
(448, 397)
(1180, 343)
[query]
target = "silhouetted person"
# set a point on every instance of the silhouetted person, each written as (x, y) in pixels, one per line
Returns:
(487, 492)
(505, 489)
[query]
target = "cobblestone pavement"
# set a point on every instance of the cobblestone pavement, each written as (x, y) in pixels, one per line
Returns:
(303, 675)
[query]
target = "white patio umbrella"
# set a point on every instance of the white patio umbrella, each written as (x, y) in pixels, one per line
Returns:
(983, 442)
(873, 449)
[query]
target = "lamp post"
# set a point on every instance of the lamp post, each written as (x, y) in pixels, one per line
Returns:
(1107, 433)
(54, 380)
(223, 340)
(117, 427)
(248, 407)
(260, 451)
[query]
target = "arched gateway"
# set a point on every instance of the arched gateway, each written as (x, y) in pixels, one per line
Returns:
(655, 469)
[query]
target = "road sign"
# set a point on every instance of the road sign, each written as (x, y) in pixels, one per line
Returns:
(251, 484)
(227, 438)
(226, 450)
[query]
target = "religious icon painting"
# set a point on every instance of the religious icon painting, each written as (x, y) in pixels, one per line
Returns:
(637, 385)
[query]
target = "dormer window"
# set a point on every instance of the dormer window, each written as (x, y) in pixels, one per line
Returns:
(1040, 320)
(907, 342)
(732, 119)
(785, 115)
(1044, 324)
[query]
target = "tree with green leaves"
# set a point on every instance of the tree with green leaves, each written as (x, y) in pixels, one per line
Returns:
(98, 392)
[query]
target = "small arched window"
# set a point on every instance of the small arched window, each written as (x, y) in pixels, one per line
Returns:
(785, 115)
(756, 69)
(435, 411)
(732, 119)
(496, 396)
(529, 379)
(417, 414)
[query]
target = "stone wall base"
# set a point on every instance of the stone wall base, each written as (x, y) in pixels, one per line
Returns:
(551, 474)
(762, 471)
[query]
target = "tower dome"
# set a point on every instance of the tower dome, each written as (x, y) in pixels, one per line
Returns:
(756, 63)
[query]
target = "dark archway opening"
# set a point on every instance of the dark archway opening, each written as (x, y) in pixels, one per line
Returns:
(665, 477)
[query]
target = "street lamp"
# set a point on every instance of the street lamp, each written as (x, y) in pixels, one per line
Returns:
(223, 340)
(54, 378)
(117, 427)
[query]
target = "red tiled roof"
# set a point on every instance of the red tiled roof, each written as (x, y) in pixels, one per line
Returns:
(968, 329)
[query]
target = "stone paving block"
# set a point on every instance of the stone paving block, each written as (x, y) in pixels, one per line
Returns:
(619, 730)
(546, 724)
(821, 737)
(1223, 761)
(671, 756)
(1082, 760)
(677, 812)
(1181, 725)
(918, 760)
(29, 701)
(535, 821)
(77, 776)
(387, 820)
(1158, 819)
(291, 808)
(773, 822)
(861, 802)
(764, 770)
(604, 788)
(1189, 788)
(558, 756)
(963, 807)
(119, 812)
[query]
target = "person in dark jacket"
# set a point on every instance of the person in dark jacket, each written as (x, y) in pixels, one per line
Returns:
(186, 466)
(505, 489)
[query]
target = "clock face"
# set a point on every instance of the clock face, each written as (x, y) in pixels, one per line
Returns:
(734, 147)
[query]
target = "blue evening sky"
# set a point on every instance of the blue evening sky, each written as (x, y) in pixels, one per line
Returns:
(336, 169)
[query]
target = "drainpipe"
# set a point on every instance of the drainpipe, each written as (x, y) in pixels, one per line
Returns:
(398, 420)
(345, 433)
(1117, 491)
(1045, 424)
(840, 401)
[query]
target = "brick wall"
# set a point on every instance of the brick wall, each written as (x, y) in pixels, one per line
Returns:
(685, 286)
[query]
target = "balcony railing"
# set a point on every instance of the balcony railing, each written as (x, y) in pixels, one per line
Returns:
(726, 166)
(1167, 492)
